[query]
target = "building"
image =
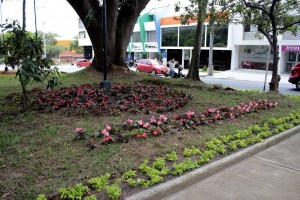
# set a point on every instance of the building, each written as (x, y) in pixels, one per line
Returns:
(158, 35)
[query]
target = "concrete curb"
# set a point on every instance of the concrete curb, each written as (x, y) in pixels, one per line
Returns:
(172, 186)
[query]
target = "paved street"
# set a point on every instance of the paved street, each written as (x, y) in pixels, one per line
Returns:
(67, 68)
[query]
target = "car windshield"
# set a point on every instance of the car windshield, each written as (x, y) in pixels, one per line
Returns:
(156, 62)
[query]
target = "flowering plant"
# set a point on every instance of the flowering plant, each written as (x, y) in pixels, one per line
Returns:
(89, 98)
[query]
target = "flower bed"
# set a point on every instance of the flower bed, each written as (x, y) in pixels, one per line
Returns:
(90, 98)
(161, 124)
(151, 172)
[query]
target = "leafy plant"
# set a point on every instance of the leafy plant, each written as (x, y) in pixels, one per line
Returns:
(187, 152)
(172, 156)
(73, 192)
(185, 165)
(99, 182)
(114, 191)
(41, 197)
(24, 50)
(91, 197)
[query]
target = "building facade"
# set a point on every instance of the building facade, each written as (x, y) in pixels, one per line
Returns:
(158, 35)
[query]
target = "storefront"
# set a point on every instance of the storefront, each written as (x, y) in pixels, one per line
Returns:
(292, 55)
(255, 57)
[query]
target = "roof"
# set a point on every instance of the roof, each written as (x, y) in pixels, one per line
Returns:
(69, 53)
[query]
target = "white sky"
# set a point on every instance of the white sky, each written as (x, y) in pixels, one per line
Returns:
(58, 15)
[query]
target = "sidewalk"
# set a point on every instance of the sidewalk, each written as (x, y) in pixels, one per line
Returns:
(259, 172)
(243, 74)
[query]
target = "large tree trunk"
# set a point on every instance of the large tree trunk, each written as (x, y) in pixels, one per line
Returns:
(194, 66)
(121, 18)
(193, 73)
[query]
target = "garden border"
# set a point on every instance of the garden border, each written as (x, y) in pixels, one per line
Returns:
(177, 184)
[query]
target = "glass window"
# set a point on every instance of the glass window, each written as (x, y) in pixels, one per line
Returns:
(220, 36)
(136, 37)
(169, 36)
(82, 35)
(151, 37)
(187, 36)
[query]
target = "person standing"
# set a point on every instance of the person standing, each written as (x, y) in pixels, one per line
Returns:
(172, 64)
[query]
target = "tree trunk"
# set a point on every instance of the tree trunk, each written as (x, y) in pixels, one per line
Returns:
(121, 20)
(24, 15)
(275, 77)
(193, 73)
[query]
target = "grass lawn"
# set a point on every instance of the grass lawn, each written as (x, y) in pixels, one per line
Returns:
(38, 153)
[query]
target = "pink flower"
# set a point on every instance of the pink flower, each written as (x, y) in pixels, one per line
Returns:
(79, 130)
(140, 122)
(107, 137)
(159, 123)
(144, 135)
(164, 118)
(155, 133)
(105, 132)
(146, 125)
(175, 116)
(108, 127)
(153, 120)
(190, 113)
(130, 121)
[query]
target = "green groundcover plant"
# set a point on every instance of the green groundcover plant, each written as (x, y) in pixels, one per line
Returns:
(151, 172)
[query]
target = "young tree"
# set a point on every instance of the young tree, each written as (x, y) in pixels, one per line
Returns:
(272, 18)
(122, 15)
(24, 50)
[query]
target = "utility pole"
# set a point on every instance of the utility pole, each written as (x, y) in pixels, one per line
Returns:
(44, 38)
(105, 84)
(211, 39)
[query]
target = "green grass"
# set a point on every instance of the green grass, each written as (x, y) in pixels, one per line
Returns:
(38, 154)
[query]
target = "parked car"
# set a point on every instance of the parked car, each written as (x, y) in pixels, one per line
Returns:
(83, 63)
(295, 75)
(151, 66)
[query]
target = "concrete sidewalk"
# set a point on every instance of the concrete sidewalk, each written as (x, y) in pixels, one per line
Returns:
(244, 74)
(271, 174)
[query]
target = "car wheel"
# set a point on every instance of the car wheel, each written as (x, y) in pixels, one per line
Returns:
(138, 70)
(153, 72)
(298, 85)
(78, 65)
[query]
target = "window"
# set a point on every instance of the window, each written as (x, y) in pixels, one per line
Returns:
(151, 37)
(136, 37)
(250, 28)
(169, 36)
(220, 36)
(82, 35)
(187, 36)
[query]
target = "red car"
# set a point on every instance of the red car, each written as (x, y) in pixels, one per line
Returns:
(295, 75)
(83, 63)
(151, 66)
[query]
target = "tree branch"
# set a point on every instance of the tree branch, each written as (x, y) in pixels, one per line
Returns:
(255, 7)
(265, 34)
(288, 26)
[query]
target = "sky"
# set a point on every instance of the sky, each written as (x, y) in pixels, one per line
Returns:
(58, 16)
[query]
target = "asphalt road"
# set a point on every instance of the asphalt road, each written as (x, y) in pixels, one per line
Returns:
(284, 88)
